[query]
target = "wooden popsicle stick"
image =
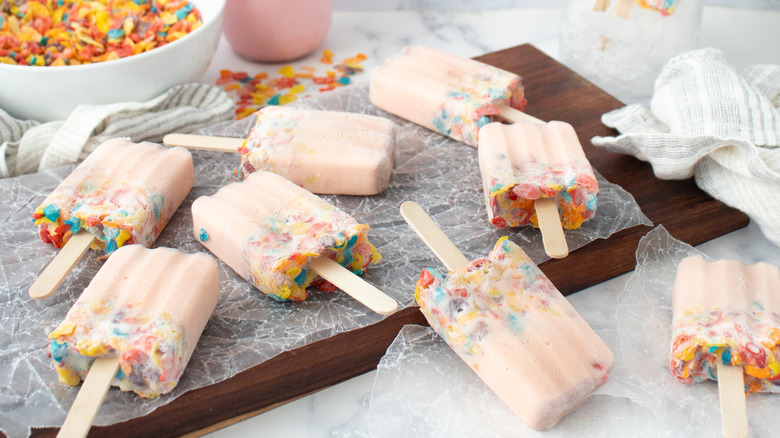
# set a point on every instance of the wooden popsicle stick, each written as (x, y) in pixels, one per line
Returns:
(90, 397)
(51, 277)
(623, 8)
(733, 412)
(601, 5)
(514, 115)
(550, 225)
(354, 286)
(203, 143)
(433, 236)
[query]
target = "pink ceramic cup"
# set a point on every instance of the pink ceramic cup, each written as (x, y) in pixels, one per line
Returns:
(276, 30)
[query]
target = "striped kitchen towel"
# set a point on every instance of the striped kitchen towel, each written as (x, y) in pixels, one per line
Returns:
(27, 146)
(710, 121)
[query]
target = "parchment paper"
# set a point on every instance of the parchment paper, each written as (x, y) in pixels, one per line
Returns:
(248, 327)
(422, 388)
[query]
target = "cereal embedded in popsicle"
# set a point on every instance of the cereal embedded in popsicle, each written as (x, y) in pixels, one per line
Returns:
(508, 322)
(122, 193)
(282, 239)
(145, 307)
(325, 152)
(445, 93)
(524, 162)
(726, 327)
(727, 312)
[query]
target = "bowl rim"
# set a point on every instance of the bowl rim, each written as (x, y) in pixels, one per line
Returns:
(157, 51)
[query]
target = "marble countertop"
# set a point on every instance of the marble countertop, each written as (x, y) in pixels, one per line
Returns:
(745, 36)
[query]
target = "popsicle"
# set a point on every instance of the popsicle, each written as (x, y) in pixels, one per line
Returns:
(282, 238)
(508, 322)
(531, 171)
(135, 326)
(325, 152)
(448, 94)
(726, 326)
(122, 193)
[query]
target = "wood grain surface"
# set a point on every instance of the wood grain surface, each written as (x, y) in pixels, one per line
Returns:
(554, 93)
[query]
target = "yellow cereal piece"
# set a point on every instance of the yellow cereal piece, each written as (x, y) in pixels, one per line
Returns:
(298, 88)
(173, 36)
(128, 26)
(56, 17)
(13, 25)
(124, 234)
(168, 18)
(287, 71)
(284, 293)
(287, 98)
(774, 366)
(89, 347)
(357, 262)
(68, 376)
(65, 329)
(246, 112)
(258, 99)
(102, 21)
(293, 272)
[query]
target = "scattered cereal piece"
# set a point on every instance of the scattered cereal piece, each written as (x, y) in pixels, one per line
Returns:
(254, 92)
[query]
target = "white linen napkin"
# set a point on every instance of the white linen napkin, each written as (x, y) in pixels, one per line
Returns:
(27, 146)
(718, 124)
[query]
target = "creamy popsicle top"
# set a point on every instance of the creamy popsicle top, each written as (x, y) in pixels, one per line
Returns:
(326, 152)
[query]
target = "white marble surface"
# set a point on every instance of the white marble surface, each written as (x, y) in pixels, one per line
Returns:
(746, 37)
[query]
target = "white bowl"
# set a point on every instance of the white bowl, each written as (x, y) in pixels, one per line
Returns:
(51, 93)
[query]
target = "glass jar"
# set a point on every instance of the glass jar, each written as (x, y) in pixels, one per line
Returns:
(622, 45)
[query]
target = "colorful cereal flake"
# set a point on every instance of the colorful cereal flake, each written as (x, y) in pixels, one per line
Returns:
(60, 32)
(252, 93)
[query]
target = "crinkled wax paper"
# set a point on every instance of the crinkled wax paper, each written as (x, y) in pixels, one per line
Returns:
(422, 388)
(248, 327)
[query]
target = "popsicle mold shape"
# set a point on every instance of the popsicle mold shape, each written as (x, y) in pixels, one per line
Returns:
(726, 312)
(448, 94)
(268, 229)
(509, 323)
(325, 152)
(146, 306)
(523, 162)
(122, 193)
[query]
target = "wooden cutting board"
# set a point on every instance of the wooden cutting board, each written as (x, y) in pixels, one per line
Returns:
(554, 93)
